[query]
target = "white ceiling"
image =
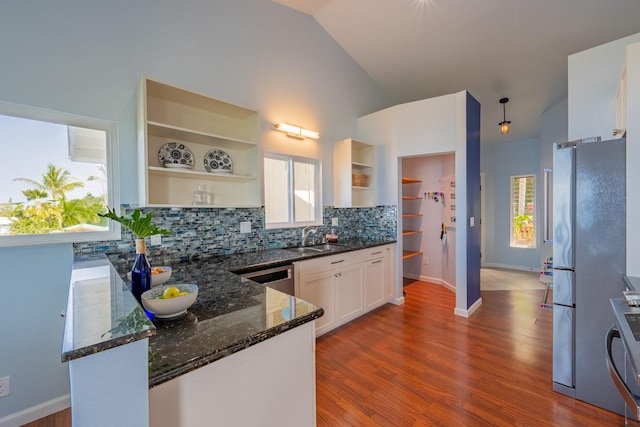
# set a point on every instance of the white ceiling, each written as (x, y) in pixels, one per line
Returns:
(417, 49)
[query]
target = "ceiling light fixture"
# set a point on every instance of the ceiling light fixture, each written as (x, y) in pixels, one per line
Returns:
(296, 131)
(504, 125)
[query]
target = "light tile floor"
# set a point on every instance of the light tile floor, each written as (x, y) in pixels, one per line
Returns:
(500, 279)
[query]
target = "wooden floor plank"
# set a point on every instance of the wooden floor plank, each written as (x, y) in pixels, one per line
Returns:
(418, 364)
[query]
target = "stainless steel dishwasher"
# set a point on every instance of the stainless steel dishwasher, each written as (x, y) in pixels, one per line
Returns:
(279, 278)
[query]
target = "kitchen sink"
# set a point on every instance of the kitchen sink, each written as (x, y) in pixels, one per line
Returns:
(316, 249)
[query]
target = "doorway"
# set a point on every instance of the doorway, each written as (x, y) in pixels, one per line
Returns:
(428, 219)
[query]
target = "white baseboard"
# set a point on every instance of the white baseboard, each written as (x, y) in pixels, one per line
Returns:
(36, 412)
(512, 267)
(469, 311)
(435, 280)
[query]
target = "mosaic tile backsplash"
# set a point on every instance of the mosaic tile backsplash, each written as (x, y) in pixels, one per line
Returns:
(202, 232)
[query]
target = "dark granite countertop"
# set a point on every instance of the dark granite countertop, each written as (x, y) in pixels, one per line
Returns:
(101, 312)
(231, 313)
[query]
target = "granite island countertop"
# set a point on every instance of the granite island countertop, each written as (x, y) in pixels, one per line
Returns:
(231, 313)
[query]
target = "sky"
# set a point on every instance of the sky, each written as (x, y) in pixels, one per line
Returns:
(28, 147)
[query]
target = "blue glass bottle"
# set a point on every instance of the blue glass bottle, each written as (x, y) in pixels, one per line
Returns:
(141, 271)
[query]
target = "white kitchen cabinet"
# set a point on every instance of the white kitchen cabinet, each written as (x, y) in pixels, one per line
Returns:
(319, 289)
(169, 114)
(346, 285)
(353, 160)
(374, 279)
(349, 289)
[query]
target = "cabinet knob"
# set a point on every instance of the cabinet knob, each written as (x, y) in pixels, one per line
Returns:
(617, 132)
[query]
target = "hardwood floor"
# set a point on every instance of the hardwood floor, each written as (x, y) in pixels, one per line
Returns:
(419, 365)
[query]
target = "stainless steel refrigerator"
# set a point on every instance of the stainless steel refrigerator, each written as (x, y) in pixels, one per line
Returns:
(589, 262)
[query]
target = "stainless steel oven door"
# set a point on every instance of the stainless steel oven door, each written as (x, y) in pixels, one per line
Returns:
(632, 401)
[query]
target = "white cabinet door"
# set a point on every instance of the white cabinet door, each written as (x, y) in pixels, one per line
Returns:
(389, 271)
(374, 283)
(349, 293)
(318, 289)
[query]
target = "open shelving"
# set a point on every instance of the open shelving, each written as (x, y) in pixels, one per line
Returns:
(170, 114)
(351, 157)
(410, 217)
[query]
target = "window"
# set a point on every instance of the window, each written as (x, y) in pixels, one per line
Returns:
(291, 191)
(59, 172)
(523, 192)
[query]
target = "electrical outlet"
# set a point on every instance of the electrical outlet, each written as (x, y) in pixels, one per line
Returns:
(334, 222)
(245, 227)
(425, 261)
(4, 386)
(156, 240)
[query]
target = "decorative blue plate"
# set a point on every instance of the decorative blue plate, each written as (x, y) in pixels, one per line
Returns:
(175, 153)
(218, 161)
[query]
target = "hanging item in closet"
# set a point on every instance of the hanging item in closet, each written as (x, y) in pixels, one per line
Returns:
(448, 186)
(435, 196)
(443, 234)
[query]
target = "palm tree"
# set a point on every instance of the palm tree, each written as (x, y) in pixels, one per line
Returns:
(57, 182)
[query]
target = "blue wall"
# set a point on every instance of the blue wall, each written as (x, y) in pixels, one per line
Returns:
(473, 200)
(502, 161)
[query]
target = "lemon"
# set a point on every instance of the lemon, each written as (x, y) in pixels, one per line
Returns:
(183, 293)
(171, 292)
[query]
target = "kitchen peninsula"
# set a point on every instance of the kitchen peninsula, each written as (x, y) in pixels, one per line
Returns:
(240, 346)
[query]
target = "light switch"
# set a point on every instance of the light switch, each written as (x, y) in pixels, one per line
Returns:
(334, 222)
(245, 227)
(472, 221)
(156, 240)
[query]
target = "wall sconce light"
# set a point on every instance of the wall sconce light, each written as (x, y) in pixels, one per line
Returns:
(296, 131)
(504, 125)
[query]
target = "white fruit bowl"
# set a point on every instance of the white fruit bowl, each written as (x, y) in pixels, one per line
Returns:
(159, 275)
(169, 307)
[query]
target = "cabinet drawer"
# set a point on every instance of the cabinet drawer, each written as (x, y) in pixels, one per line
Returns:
(326, 263)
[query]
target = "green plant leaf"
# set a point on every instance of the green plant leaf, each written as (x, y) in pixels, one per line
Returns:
(140, 226)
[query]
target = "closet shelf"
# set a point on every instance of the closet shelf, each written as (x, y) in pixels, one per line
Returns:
(410, 254)
(410, 180)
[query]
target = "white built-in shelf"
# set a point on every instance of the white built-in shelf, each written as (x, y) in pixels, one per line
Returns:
(357, 165)
(164, 130)
(167, 113)
(353, 157)
(201, 175)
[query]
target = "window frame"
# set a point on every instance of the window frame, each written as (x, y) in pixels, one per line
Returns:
(291, 159)
(512, 243)
(111, 166)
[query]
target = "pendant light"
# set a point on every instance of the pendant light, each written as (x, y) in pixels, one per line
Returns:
(504, 125)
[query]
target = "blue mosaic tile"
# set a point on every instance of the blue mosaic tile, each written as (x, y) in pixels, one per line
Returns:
(203, 232)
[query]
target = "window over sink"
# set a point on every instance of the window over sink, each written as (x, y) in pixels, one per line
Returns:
(292, 191)
(60, 170)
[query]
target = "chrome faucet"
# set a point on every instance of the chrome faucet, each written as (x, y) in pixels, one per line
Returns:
(307, 231)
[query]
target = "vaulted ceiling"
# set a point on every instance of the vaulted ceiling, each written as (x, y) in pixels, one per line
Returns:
(417, 49)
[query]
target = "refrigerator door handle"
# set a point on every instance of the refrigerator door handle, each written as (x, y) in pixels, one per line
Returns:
(629, 398)
(548, 231)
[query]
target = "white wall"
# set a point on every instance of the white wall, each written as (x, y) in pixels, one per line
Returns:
(593, 82)
(87, 58)
(430, 126)
(633, 159)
